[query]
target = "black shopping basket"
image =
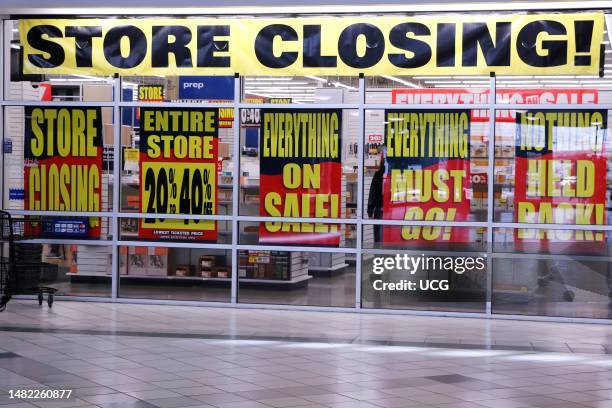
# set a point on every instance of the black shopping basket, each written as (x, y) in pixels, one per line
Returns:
(21, 268)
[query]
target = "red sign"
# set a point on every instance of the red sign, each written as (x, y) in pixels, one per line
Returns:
(178, 172)
(479, 178)
(560, 168)
(427, 174)
(481, 96)
(376, 138)
(300, 175)
(63, 162)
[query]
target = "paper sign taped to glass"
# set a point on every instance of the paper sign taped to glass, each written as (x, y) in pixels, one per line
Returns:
(178, 172)
(560, 164)
(426, 174)
(300, 175)
(63, 161)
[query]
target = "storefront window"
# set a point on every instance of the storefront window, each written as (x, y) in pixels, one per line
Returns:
(427, 90)
(298, 163)
(47, 167)
(268, 163)
(551, 165)
(557, 241)
(74, 269)
(424, 281)
(176, 230)
(419, 237)
(297, 234)
(296, 278)
(309, 89)
(174, 88)
(552, 286)
(173, 162)
(175, 273)
(426, 165)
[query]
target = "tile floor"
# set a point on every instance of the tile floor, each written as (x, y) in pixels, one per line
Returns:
(119, 355)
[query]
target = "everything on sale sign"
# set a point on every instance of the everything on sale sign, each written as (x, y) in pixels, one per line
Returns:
(301, 172)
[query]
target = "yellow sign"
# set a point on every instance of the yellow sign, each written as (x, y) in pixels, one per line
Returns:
(63, 159)
(184, 188)
(559, 163)
(178, 172)
(150, 93)
(542, 44)
(131, 154)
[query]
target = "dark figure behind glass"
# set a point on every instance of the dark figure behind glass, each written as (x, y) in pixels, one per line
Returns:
(375, 200)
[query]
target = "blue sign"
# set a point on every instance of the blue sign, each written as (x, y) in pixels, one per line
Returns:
(8, 146)
(206, 87)
(65, 228)
(128, 115)
(16, 193)
(252, 137)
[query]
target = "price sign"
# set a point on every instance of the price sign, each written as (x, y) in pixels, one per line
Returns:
(178, 171)
(185, 188)
(250, 117)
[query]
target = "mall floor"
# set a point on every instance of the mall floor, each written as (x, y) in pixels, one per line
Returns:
(128, 355)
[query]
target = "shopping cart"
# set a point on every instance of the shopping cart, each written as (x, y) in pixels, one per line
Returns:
(21, 268)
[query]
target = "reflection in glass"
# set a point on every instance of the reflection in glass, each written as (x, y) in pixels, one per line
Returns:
(422, 281)
(551, 166)
(71, 269)
(551, 241)
(296, 278)
(553, 287)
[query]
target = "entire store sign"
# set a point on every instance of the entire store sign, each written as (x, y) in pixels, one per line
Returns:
(542, 44)
(178, 172)
(560, 167)
(300, 175)
(63, 160)
(428, 173)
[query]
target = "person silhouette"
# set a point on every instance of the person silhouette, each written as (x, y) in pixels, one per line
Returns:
(375, 199)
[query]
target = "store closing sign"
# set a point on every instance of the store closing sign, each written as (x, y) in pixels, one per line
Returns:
(301, 173)
(178, 172)
(428, 173)
(63, 160)
(393, 45)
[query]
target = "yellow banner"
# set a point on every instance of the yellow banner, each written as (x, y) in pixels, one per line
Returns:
(542, 44)
(182, 188)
